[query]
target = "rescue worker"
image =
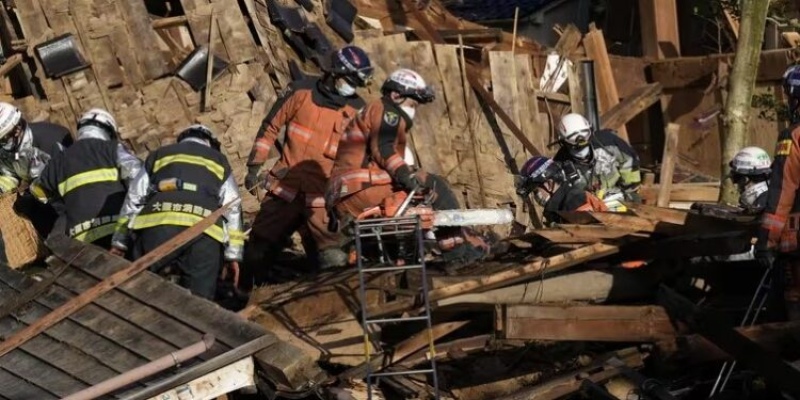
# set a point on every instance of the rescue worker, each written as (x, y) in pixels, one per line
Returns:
(179, 185)
(91, 178)
(750, 171)
(314, 113)
(598, 161)
(552, 189)
(25, 149)
(371, 166)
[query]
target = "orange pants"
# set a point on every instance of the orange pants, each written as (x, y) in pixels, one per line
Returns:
(278, 219)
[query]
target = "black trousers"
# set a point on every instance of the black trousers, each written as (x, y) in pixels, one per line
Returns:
(198, 262)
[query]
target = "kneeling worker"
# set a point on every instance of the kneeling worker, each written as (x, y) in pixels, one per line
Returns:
(181, 184)
(91, 178)
(552, 189)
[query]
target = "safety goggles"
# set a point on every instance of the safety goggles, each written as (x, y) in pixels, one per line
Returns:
(579, 138)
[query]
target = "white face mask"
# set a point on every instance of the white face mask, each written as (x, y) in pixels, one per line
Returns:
(581, 153)
(345, 89)
(409, 111)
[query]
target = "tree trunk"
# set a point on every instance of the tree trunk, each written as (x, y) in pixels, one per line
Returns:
(742, 84)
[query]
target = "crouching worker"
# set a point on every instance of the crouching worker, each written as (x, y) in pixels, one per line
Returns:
(90, 178)
(180, 185)
(552, 189)
(25, 149)
(370, 165)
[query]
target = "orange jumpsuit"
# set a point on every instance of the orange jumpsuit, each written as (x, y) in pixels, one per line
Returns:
(315, 119)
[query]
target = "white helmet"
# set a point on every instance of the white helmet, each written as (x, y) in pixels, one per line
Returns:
(10, 118)
(408, 83)
(574, 130)
(100, 118)
(751, 161)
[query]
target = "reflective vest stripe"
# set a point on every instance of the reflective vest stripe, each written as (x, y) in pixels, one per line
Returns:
(88, 178)
(211, 165)
(300, 132)
(236, 238)
(8, 183)
(176, 218)
(99, 232)
(394, 162)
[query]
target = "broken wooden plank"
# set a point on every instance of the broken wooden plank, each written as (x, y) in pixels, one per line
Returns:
(10, 64)
(473, 75)
(607, 93)
(684, 192)
(506, 277)
(576, 233)
(659, 25)
(586, 323)
(668, 161)
(78, 302)
(631, 106)
(685, 72)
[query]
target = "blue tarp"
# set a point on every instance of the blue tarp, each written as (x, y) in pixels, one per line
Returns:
(484, 10)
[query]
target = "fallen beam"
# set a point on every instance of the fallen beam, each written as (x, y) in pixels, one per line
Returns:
(571, 382)
(684, 192)
(503, 278)
(771, 366)
(668, 165)
(680, 73)
(779, 338)
(576, 233)
(10, 64)
(585, 323)
(608, 96)
(631, 106)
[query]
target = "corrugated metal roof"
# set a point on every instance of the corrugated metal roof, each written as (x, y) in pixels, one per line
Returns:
(485, 10)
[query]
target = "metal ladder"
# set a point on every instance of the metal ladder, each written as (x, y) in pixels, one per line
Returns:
(749, 319)
(382, 230)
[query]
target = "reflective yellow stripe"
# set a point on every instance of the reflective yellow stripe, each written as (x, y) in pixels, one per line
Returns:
(38, 191)
(630, 177)
(214, 167)
(236, 238)
(7, 183)
(122, 225)
(175, 218)
(96, 233)
(87, 178)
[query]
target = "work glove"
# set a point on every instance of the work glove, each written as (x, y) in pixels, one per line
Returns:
(251, 179)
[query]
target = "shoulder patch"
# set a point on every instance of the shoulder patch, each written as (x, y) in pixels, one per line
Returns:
(783, 148)
(391, 118)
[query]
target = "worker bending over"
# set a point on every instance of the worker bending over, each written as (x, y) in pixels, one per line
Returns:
(181, 184)
(25, 149)
(91, 178)
(553, 190)
(370, 166)
(314, 113)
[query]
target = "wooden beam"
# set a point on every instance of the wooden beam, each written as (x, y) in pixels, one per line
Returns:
(576, 233)
(631, 106)
(668, 165)
(430, 33)
(679, 73)
(776, 337)
(659, 22)
(586, 323)
(685, 192)
(502, 278)
(607, 93)
(163, 23)
(10, 64)
(558, 97)
(494, 34)
(109, 283)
